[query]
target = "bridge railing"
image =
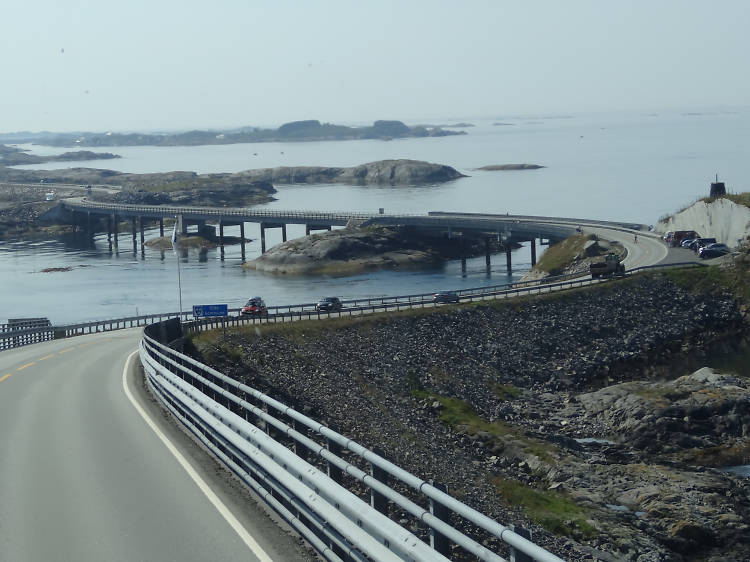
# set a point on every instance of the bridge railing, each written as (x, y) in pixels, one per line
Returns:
(335, 492)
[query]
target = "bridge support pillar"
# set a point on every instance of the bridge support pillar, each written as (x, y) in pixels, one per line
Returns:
(508, 264)
(242, 240)
(221, 239)
(88, 224)
(487, 253)
(283, 233)
(109, 232)
(182, 226)
(307, 230)
(533, 252)
(262, 238)
(378, 500)
(463, 266)
(116, 227)
(143, 237)
(135, 240)
(439, 542)
(161, 227)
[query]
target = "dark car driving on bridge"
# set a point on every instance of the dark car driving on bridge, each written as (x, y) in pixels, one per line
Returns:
(328, 304)
(445, 296)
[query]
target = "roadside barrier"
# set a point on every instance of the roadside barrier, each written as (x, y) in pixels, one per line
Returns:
(332, 490)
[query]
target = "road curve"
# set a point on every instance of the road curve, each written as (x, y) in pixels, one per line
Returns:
(84, 477)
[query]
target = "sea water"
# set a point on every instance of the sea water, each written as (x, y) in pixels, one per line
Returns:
(631, 167)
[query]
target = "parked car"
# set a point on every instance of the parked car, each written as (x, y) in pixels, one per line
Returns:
(445, 296)
(713, 251)
(679, 235)
(698, 243)
(687, 242)
(256, 306)
(329, 304)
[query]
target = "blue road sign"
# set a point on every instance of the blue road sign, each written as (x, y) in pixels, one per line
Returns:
(203, 310)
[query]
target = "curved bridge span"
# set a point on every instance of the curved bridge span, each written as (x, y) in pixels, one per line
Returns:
(507, 228)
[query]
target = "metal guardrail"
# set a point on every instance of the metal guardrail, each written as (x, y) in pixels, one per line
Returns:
(296, 463)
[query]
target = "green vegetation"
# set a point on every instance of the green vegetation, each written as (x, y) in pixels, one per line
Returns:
(552, 510)
(738, 198)
(458, 413)
(506, 391)
(562, 254)
(714, 279)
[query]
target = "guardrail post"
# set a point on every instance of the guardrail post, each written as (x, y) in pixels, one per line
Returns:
(378, 500)
(334, 472)
(515, 555)
(300, 450)
(439, 542)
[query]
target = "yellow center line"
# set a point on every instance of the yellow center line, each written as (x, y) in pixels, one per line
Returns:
(27, 365)
(46, 357)
(65, 350)
(4, 377)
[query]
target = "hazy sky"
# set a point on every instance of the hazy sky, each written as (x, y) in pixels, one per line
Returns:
(179, 64)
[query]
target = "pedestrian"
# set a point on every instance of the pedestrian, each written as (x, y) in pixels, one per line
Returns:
(635, 238)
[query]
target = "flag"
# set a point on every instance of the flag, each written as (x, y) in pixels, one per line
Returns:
(174, 235)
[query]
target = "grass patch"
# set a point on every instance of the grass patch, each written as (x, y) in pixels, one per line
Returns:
(551, 510)
(459, 413)
(558, 256)
(506, 391)
(713, 279)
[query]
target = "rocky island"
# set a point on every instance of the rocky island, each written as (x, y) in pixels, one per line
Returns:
(296, 131)
(12, 156)
(505, 167)
(354, 249)
(383, 172)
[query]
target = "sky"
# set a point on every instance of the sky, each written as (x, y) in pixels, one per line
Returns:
(150, 65)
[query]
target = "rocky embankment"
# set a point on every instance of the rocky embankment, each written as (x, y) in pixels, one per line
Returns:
(583, 400)
(354, 249)
(382, 172)
(12, 156)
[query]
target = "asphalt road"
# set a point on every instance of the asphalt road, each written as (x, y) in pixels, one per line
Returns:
(85, 475)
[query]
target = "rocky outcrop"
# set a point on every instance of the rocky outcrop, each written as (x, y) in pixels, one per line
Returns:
(722, 219)
(566, 388)
(383, 172)
(500, 167)
(11, 156)
(354, 249)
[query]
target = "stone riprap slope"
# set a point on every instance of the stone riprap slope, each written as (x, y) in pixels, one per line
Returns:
(574, 395)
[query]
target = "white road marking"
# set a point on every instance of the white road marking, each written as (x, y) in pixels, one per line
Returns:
(202, 485)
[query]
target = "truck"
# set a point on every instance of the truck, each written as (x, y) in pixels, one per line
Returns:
(611, 266)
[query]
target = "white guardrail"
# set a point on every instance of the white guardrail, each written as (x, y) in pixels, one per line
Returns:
(295, 464)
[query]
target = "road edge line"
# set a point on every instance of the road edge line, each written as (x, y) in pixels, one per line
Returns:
(225, 512)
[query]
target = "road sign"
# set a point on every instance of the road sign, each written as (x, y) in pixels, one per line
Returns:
(204, 310)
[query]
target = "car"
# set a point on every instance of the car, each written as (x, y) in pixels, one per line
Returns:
(445, 296)
(687, 242)
(256, 306)
(698, 243)
(329, 304)
(713, 251)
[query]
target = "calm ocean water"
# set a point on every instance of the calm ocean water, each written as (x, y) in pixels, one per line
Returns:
(633, 167)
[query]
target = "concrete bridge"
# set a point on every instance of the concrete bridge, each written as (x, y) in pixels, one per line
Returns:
(510, 229)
